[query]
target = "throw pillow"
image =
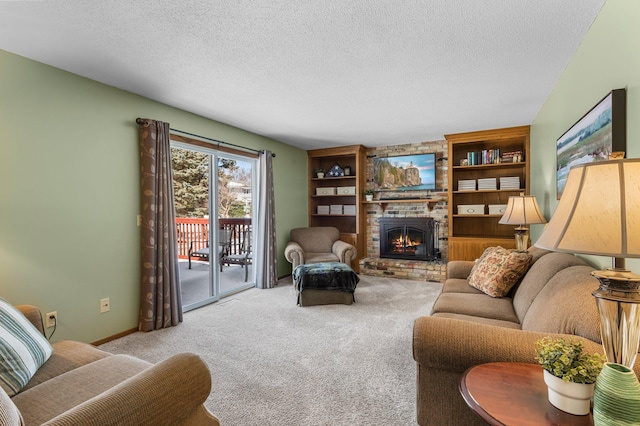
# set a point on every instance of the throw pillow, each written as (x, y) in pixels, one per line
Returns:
(23, 349)
(499, 269)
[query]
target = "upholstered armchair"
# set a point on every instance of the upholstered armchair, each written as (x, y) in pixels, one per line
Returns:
(317, 245)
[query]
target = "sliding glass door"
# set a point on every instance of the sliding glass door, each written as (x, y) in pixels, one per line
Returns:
(235, 217)
(214, 216)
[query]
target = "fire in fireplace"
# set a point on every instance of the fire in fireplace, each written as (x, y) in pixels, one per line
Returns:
(408, 238)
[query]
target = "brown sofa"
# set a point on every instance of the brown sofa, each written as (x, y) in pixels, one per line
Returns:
(467, 328)
(82, 385)
(317, 245)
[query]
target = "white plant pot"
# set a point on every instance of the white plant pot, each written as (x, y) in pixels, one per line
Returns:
(573, 398)
(320, 175)
(368, 197)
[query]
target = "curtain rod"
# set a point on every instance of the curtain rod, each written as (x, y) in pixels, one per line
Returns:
(143, 122)
(217, 141)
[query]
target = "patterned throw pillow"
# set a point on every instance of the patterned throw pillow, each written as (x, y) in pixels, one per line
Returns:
(499, 269)
(23, 349)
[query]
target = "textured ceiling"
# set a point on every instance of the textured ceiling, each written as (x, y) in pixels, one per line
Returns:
(316, 73)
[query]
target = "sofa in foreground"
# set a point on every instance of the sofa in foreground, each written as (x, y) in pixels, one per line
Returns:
(82, 385)
(468, 327)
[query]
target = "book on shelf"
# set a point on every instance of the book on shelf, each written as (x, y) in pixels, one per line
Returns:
(487, 184)
(467, 185)
(512, 156)
(510, 182)
(486, 156)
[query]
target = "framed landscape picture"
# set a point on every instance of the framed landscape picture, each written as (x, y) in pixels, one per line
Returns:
(601, 132)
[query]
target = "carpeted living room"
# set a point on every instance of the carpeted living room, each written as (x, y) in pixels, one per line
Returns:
(408, 130)
(273, 362)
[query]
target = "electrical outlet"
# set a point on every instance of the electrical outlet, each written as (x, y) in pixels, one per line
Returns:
(105, 305)
(139, 220)
(51, 319)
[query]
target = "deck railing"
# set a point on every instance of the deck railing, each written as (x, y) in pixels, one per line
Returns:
(196, 230)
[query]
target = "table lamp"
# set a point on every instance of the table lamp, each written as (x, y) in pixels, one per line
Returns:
(522, 210)
(599, 214)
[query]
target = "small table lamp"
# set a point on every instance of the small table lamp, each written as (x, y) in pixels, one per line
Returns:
(522, 210)
(599, 214)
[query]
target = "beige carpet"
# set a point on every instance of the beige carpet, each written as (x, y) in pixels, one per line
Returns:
(274, 363)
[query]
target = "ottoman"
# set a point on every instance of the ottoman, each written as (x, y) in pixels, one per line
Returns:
(325, 283)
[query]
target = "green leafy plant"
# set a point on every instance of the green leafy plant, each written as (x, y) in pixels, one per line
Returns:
(319, 170)
(368, 192)
(565, 359)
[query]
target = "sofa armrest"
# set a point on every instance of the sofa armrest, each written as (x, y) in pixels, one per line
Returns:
(33, 314)
(455, 345)
(294, 254)
(345, 251)
(459, 268)
(168, 393)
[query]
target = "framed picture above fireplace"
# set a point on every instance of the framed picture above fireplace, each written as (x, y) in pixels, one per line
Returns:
(405, 173)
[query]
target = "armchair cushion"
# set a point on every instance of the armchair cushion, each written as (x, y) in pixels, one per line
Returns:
(316, 239)
(23, 349)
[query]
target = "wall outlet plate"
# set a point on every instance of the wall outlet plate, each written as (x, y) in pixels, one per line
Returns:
(105, 305)
(51, 319)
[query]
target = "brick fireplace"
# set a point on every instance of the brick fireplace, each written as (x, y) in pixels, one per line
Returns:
(435, 212)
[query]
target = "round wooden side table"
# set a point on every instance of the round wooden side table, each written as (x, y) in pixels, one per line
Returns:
(512, 393)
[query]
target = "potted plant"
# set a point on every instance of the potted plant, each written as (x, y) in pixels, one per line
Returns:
(368, 194)
(569, 373)
(320, 172)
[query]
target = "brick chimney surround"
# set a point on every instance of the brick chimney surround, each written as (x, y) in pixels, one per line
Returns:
(417, 270)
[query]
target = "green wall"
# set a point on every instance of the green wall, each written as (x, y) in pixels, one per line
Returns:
(69, 193)
(608, 58)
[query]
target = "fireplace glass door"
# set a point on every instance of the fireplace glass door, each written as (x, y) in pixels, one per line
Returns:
(407, 238)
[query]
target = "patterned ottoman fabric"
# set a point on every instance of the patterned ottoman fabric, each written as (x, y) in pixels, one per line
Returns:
(329, 276)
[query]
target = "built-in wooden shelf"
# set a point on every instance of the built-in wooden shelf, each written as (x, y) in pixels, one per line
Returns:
(488, 190)
(430, 201)
(491, 166)
(352, 227)
(469, 235)
(477, 215)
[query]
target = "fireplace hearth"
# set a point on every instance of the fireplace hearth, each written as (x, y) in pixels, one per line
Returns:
(408, 238)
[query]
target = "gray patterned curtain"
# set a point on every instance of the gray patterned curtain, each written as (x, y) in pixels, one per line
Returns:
(265, 258)
(160, 301)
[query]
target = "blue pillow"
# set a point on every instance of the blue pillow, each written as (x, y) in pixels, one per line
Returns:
(23, 349)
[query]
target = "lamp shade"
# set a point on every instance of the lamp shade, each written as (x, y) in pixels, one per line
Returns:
(522, 210)
(599, 211)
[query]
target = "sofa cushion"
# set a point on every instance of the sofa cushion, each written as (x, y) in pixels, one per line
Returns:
(459, 285)
(537, 278)
(477, 305)
(9, 413)
(499, 269)
(23, 349)
(566, 305)
(480, 320)
(66, 391)
(459, 268)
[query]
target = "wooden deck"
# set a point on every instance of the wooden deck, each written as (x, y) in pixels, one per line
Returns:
(195, 281)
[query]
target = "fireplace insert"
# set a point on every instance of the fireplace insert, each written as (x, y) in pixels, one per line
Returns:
(408, 238)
